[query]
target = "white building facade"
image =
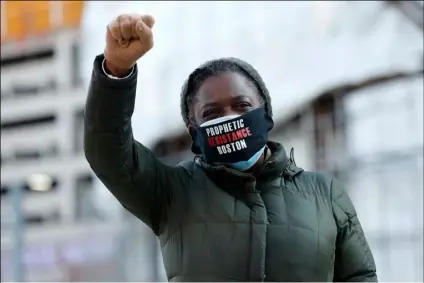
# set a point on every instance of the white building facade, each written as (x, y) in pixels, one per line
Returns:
(42, 103)
(300, 48)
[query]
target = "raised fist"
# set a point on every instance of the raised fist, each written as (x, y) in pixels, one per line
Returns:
(128, 38)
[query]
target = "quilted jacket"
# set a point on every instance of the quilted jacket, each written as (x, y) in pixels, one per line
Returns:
(218, 224)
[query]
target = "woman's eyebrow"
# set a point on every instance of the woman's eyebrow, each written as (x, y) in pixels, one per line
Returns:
(243, 97)
(237, 98)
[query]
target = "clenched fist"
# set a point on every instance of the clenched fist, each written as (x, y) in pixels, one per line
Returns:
(128, 38)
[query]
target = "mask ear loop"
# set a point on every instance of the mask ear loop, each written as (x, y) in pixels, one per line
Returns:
(292, 156)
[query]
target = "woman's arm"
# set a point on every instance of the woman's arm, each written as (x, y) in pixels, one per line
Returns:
(141, 183)
(354, 261)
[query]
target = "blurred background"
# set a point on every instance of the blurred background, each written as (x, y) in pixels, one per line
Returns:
(346, 79)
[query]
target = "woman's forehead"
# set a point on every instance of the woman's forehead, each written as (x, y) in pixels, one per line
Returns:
(225, 86)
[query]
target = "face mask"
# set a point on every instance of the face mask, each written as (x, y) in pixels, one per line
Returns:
(238, 141)
(246, 165)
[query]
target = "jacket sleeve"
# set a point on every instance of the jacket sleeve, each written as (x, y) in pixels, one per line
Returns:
(354, 261)
(142, 184)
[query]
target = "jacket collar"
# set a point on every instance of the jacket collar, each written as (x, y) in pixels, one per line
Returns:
(278, 164)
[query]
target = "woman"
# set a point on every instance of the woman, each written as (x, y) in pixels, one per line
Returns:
(242, 210)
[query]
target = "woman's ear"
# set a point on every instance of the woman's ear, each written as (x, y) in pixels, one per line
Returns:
(190, 129)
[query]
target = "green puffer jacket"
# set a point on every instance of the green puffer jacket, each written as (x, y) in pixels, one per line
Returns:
(217, 224)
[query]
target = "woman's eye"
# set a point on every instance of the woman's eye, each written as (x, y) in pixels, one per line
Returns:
(243, 105)
(209, 113)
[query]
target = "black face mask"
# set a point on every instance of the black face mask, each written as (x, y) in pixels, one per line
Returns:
(234, 140)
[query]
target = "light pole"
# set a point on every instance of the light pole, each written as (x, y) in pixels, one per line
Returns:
(17, 234)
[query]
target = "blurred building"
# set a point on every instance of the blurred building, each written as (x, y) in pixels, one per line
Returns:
(346, 83)
(42, 101)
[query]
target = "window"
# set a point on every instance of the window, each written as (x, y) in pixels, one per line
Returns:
(388, 198)
(94, 201)
(28, 122)
(85, 207)
(385, 118)
(24, 90)
(399, 259)
(28, 58)
(78, 131)
(76, 80)
(385, 174)
(6, 94)
(30, 150)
